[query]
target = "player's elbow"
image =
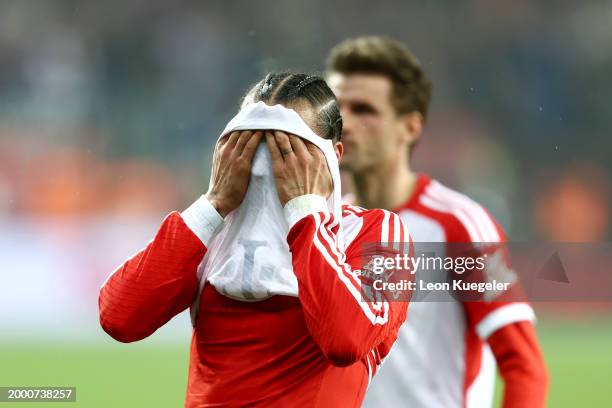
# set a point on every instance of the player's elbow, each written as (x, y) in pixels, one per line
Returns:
(116, 327)
(116, 332)
(117, 324)
(119, 330)
(535, 371)
(528, 375)
(342, 358)
(343, 353)
(539, 375)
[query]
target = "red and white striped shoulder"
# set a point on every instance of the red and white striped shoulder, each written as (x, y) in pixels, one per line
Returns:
(374, 226)
(473, 221)
(352, 209)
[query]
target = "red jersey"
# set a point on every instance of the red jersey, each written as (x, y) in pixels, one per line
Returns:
(319, 349)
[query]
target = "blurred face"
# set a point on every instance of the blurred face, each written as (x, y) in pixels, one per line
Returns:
(373, 134)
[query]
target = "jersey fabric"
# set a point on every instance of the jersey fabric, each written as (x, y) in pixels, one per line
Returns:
(441, 357)
(319, 349)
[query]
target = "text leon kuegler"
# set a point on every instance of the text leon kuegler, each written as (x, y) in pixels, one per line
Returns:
(456, 285)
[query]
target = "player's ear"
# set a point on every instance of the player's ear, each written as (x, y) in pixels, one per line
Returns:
(339, 149)
(413, 125)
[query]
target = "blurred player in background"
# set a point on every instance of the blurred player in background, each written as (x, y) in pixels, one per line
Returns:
(318, 348)
(446, 351)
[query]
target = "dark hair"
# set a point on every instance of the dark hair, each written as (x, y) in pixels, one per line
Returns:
(286, 87)
(411, 90)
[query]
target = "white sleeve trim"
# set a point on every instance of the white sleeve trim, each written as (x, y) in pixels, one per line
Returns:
(515, 312)
(299, 207)
(203, 219)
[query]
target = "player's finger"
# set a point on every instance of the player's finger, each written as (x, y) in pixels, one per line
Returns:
(273, 147)
(221, 143)
(313, 150)
(243, 138)
(282, 140)
(233, 138)
(298, 146)
(224, 140)
(251, 146)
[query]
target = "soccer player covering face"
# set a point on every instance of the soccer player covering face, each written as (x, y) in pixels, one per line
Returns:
(446, 352)
(319, 348)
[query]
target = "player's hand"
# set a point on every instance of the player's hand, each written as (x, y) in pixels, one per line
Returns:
(299, 167)
(232, 169)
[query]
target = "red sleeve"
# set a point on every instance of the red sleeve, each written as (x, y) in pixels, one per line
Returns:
(505, 321)
(346, 327)
(492, 310)
(521, 365)
(154, 285)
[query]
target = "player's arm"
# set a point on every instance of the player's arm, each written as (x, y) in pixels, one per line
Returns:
(521, 365)
(341, 322)
(161, 280)
(506, 323)
(508, 328)
(344, 325)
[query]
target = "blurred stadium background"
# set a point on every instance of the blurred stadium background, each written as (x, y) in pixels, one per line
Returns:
(109, 112)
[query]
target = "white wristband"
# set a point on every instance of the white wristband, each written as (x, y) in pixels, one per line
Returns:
(203, 219)
(299, 207)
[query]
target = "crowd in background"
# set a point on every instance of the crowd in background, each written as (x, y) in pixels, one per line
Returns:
(111, 109)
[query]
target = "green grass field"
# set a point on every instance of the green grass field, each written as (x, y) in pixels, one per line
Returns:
(579, 357)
